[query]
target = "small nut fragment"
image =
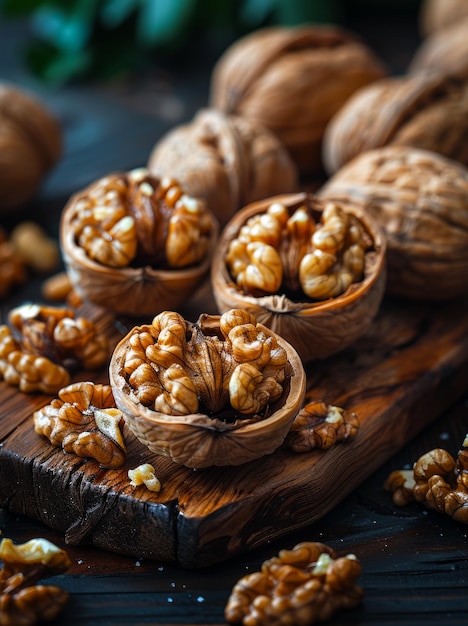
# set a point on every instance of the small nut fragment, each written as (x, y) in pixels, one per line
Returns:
(437, 480)
(57, 288)
(23, 601)
(321, 425)
(144, 475)
(39, 251)
(302, 586)
(84, 421)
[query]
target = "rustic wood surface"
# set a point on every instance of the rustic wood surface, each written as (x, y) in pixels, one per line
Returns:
(414, 561)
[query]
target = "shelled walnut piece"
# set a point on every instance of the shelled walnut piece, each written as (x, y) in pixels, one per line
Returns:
(83, 420)
(24, 602)
(312, 271)
(302, 586)
(225, 159)
(220, 391)
(437, 480)
(319, 425)
(131, 241)
(40, 342)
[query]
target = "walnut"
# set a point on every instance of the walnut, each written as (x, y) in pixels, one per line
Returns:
(445, 52)
(436, 15)
(23, 602)
(83, 420)
(12, 266)
(321, 425)
(145, 475)
(221, 391)
(30, 144)
(426, 110)
(419, 199)
(32, 243)
(294, 261)
(41, 342)
(225, 159)
(132, 242)
(291, 80)
(302, 586)
(438, 481)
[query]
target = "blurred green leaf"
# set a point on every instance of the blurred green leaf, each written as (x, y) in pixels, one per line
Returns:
(161, 21)
(115, 12)
(55, 67)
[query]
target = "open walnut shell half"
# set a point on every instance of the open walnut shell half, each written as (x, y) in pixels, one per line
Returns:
(30, 145)
(135, 244)
(226, 160)
(291, 81)
(424, 110)
(313, 273)
(436, 15)
(420, 200)
(221, 391)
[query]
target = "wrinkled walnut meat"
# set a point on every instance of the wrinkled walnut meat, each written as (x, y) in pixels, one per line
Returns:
(144, 475)
(40, 342)
(437, 480)
(302, 586)
(287, 251)
(23, 602)
(320, 425)
(137, 219)
(83, 420)
(174, 368)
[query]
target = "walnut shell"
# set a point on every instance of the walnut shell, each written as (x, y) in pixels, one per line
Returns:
(30, 145)
(200, 440)
(445, 51)
(316, 329)
(438, 14)
(144, 287)
(428, 111)
(292, 80)
(420, 200)
(227, 160)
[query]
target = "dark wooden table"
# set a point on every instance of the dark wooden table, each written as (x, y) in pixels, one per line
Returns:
(415, 566)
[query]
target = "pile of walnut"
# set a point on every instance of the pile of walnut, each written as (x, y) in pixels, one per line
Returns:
(40, 342)
(437, 480)
(24, 602)
(275, 251)
(302, 586)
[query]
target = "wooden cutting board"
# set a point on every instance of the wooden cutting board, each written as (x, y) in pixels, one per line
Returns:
(410, 366)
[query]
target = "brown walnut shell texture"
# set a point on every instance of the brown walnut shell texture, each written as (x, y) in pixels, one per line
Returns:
(226, 160)
(438, 14)
(134, 291)
(292, 80)
(198, 440)
(316, 330)
(445, 51)
(421, 201)
(428, 111)
(30, 145)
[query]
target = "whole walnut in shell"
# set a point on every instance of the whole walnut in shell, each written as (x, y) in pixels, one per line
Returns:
(311, 271)
(425, 110)
(436, 15)
(225, 159)
(134, 244)
(445, 51)
(292, 80)
(30, 145)
(221, 391)
(420, 200)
